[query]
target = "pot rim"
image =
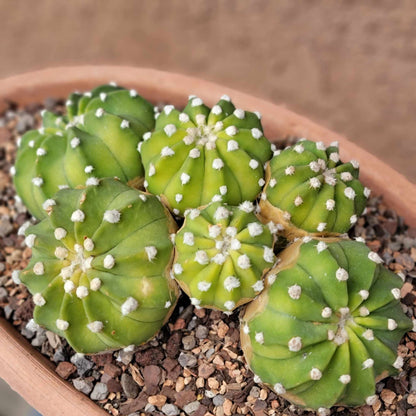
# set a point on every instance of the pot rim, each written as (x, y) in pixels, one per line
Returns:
(26, 370)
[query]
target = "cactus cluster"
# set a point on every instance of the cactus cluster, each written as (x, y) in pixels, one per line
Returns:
(99, 266)
(203, 155)
(327, 326)
(324, 324)
(222, 253)
(97, 138)
(310, 191)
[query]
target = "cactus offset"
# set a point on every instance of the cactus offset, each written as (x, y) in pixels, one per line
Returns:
(204, 155)
(98, 138)
(309, 190)
(221, 255)
(98, 272)
(327, 326)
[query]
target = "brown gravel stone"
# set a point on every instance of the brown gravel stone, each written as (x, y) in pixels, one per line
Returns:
(114, 386)
(174, 344)
(184, 397)
(102, 359)
(134, 405)
(152, 375)
(205, 370)
(387, 396)
(65, 369)
(149, 356)
(411, 399)
(158, 400)
(112, 370)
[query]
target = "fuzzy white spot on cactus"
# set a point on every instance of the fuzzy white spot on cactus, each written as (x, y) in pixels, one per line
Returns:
(88, 244)
(229, 305)
(92, 181)
(259, 337)
(246, 206)
(95, 284)
(88, 169)
(133, 93)
(231, 282)
(335, 158)
(398, 363)
(364, 311)
(231, 130)
(194, 153)
(214, 231)
(37, 181)
(39, 268)
(231, 231)
(41, 130)
(268, 254)
(152, 169)
(298, 201)
(147, 136)
(326, 312)
(258, 286)
(294, 291)
(68, 102)
(391, 324)
(185, 178)
(341, 275)
(306, 239)
(204, 286)
(290, 170)
(353, 219)
(255, 229)
(167, 152)
(345, 379)
(176, 211)
(129, 306)
(320, 146)
(183, 118)
(66, 272)
(364, 294)
(77, 216)
(261, 182)
(125, 124)
(12, 171)
(188, 239)
(31, 143)
(239, 113)
(109, 261)
(221, 213)
(279, 389)
(41, 151)
(346, 176)
(216, 110)
(368, 363)
(396, 293)
(246, 329)
(99, 113)
(177, 269)
(321, 246)
(201, 257)
(151, 252)
(314, 183)
(95, 326)
(243, 262)
(196, 102)
(367, 192)
(314, 166)
(277, 153)
(235, 244)
(61, 253)
(217, 164)
(62, 325)
(178, 198)
(271, 278)
(225, 97)
(349, 193)
(315, 374)
(355, 164)
(371, 400)
(16, 277)
(200, 119)
(30, 240)
(60, 233)
(69, 286)
(194, 213)
(188, 140)
(103, 96)
(232, 145)
(112, 216)
(375, 257)
(22, 229)
(167, 109)
(330, 179)
(195, 301)
(82, 292)
(321, 226)
(168, 304)
(368, 335)
(38, 299)
(299, 148)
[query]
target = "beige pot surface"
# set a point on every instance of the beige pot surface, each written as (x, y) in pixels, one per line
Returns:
(25, 369)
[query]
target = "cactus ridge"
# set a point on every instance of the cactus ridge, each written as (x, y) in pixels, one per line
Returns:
(309, 190)
(99, 266)
(204, 155)
(327, 325)
(97, 138)
(221, 255)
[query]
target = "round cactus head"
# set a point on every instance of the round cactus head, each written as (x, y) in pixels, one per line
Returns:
(221, 255)
(327, 326)
(202, 155)
(98, 138)
(98, 272)
(309, 190)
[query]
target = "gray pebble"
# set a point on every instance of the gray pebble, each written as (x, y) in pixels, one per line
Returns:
(8, 311)
(27, 333)
(170, 409)
(192, 324)
(218, 400)
(59, 356)
(188, 342)
(149, 408)
(40, 338)
(210, 352)
(255, 392)
(130, 387)
(187, 360)
(413, 383)
(3, 294)
(5, 226)
(125, 357)
(100, 392)
(82, 364)
(201, 332)
(191, 407)
(81, 385)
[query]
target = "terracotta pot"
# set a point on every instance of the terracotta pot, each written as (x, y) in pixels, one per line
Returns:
(25, 369)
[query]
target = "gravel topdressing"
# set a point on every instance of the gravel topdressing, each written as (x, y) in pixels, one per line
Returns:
(194, 366)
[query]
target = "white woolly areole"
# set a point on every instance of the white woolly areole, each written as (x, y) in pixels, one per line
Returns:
(398, 363)
(321, 226)
(38, 299)
(306, 239)
(368, 335)
(239, 113)
(290, 170)
(22, 229)
(183, 117)
(294, 291)
(355, 164)
(217, 164)
(195, 301)
(258, 286)
(147, 136)
(95, 284)
(152, 169)
(323, 411)
(62, 325)
(151, 252)
(259, 337)
(391, 324)
(298, 201)
(216, 110)
(168, 304)
(92, 181)
(129, 306)
(314, 166)
(221, 213)
(349, 193)
(201, 257)
(321, 246)
(231, 282)
(103, 96)
(371, 400)
(375, 257)
(364, 311)
(295, 344)
(167, 152)
(37, 181)
(246, 329)
(82, 292)
(243, 262)
(335, 158)
(99, 112)
(364, 294)
(185, 178)
(315, 374)
(367, 192)
(232, 145)
(272, 183)
(167, 109)
(219, 258)
(69, 286)
(194, 153)
(66, 272)
(89, 244)
(95, 326)
(194, 213)
(112, 216)
(255, 229)
(30, 240)
(178, 197)
(216, 198)
(188, 239)
(396, 293)
(229, 305)
(41, 151)
(246, 206)
(279, 389)
(326, 312)
(223, 189)
(225, 97)
(60, 233)
(369, 363)
(16, 277)
(133, 93)
(125, 124)
(235, 244)
(109, 261)
(204, 286)
(196, 102)
(39, 268)
(315, 183)
(78, 216)
(214, 231)
(345, 379)
(256, 133)
(268, 254)
(341, 274)
(261, 182)
(61, 253)
(177, 269)
(299, 148)
(231, 130)
(346, 176)
(353, 219)
(75, 142)
(320, 146)
(170, 130)
(48, 204)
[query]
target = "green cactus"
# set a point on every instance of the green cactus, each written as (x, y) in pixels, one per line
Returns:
(98, 138)
(99, 266)
(221, 255)
(309, 190)
(204, 155)
(327, 326)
